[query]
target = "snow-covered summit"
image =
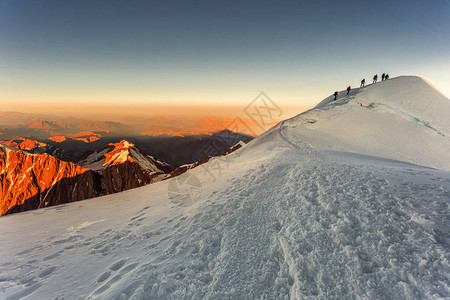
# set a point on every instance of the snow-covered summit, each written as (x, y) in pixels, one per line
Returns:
(404, 118)
(119, 153)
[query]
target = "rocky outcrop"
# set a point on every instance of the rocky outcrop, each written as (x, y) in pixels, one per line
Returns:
(125, 176)
(184, 168)
(234, 148)
(31, 181)
(86, 136)
(57, 138)
(24, 144)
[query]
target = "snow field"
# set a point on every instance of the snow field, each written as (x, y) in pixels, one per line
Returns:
(303, 224)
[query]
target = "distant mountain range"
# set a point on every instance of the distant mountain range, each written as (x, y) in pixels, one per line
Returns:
(175, 150)
(46, 161)
(37, 174)
(56, 130)
(14, 125)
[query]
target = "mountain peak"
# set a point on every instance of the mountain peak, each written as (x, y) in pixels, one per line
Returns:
(40, 124)
(404, 91)
(388, 119)
(123, 144)
(58, 138)
(123, 167)
(119, 154)
(44, 124)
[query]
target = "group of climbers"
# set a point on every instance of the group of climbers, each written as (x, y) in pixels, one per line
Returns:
(383, 78)
(337, 93)
(363, 82)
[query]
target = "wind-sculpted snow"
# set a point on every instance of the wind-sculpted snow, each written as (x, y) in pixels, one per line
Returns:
(282, 220)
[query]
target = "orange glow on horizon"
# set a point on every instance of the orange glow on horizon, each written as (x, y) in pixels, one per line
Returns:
(90, 122)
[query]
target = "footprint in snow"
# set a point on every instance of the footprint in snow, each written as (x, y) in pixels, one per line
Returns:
(116, 266)
(46, 272)
(54, 255)
(104, 276)
(137, 217)
(113, 269)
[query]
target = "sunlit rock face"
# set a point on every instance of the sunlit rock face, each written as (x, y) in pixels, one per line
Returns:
(24, 144)
(31, 181)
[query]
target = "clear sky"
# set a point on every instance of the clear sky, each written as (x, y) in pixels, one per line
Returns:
(58, 54)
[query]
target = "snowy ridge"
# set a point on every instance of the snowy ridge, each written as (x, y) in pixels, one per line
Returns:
(9, 148)
(147, 162)
(403, 118)
(95, 160)
(36, 151)
(283, 218)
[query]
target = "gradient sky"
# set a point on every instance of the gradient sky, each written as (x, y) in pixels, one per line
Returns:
(69, 55)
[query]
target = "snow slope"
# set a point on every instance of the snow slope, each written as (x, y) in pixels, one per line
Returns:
(404, 118)
(288, 216)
